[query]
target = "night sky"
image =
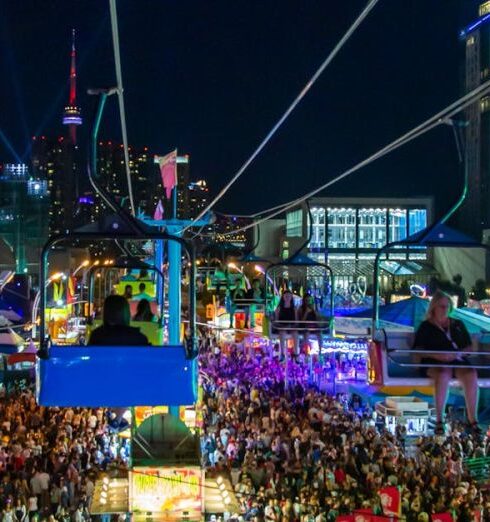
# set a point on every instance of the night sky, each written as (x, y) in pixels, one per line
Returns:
(211, 77)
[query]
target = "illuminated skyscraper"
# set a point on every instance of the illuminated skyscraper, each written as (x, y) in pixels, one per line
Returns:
(23, 215)
(198, 197)
(112, 174)
(474, 215)
(71, 114)
(56, 161)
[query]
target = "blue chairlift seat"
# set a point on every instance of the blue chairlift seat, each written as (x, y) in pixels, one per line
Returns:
(116, 376)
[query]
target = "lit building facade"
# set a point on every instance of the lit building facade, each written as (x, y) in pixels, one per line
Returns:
(24, 202)
(225, 230)
(111, 170)
(198, 197)
(474, 216)
(58, 162)
(347, 232)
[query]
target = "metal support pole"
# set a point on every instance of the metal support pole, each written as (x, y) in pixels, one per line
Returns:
(174, 289)
(159, 246)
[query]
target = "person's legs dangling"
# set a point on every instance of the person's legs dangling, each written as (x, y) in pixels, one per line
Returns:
(441, 378)
(468, 378)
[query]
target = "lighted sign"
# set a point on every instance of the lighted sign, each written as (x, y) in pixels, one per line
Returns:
(187, 414)
(484, 8)
(142, 413)
(172, 491)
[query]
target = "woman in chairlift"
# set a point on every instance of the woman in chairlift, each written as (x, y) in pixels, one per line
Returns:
(143, 312)
(285, 317)
(441, 333)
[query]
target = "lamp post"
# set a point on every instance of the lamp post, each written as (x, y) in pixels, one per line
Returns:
(233, 266)
(79, 267)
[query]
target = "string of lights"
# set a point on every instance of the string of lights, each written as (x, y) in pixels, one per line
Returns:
(291, 108)
(440, 118)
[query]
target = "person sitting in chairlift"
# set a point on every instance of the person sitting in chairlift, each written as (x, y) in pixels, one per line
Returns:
(143, 312)
(142, 293)
(115, 330)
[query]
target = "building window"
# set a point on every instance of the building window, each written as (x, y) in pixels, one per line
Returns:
(294, 223)
(398, 224)
(470, 41)
(417, 220)
(372, 227)
(318, 228)
(341, 228)
(318, 257)
(485, 104)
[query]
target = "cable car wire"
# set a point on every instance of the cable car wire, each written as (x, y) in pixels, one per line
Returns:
(120, 96)
(438, 119)
(290, 109)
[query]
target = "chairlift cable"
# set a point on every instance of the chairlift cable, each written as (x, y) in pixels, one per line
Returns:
(290, 109)
(436, 120)
(120, 96)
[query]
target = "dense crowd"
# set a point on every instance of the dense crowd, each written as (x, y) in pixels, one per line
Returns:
(49, 458)
(292, 453)
(297, 454)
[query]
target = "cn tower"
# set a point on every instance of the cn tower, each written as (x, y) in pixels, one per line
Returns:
(71, 114)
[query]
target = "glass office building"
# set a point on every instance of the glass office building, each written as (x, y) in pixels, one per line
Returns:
(347, 232)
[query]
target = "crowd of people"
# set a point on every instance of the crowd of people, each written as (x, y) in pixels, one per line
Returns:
(50, 457)
(297, 454)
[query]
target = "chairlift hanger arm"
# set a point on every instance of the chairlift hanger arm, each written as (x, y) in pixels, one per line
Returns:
(107, 198)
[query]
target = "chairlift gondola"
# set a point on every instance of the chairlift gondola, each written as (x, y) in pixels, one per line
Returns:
(301, 275)
(115, 376)
(391, 359)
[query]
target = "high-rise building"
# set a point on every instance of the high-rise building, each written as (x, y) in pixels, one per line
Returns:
(198, 197)
(112, 174)
(24, 201)
(474, 216)
(57, 162)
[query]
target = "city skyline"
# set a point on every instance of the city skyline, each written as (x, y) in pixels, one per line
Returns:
(213, 88)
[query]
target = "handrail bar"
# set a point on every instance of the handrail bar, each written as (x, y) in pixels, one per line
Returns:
(250, 300)
(311, 326)
(447, 365)
(440, 352)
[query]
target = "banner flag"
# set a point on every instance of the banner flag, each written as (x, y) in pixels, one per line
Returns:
(168, 171)
(390, 501)
(158, 211)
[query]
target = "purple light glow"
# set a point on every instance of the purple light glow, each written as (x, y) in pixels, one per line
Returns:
(72, 120)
